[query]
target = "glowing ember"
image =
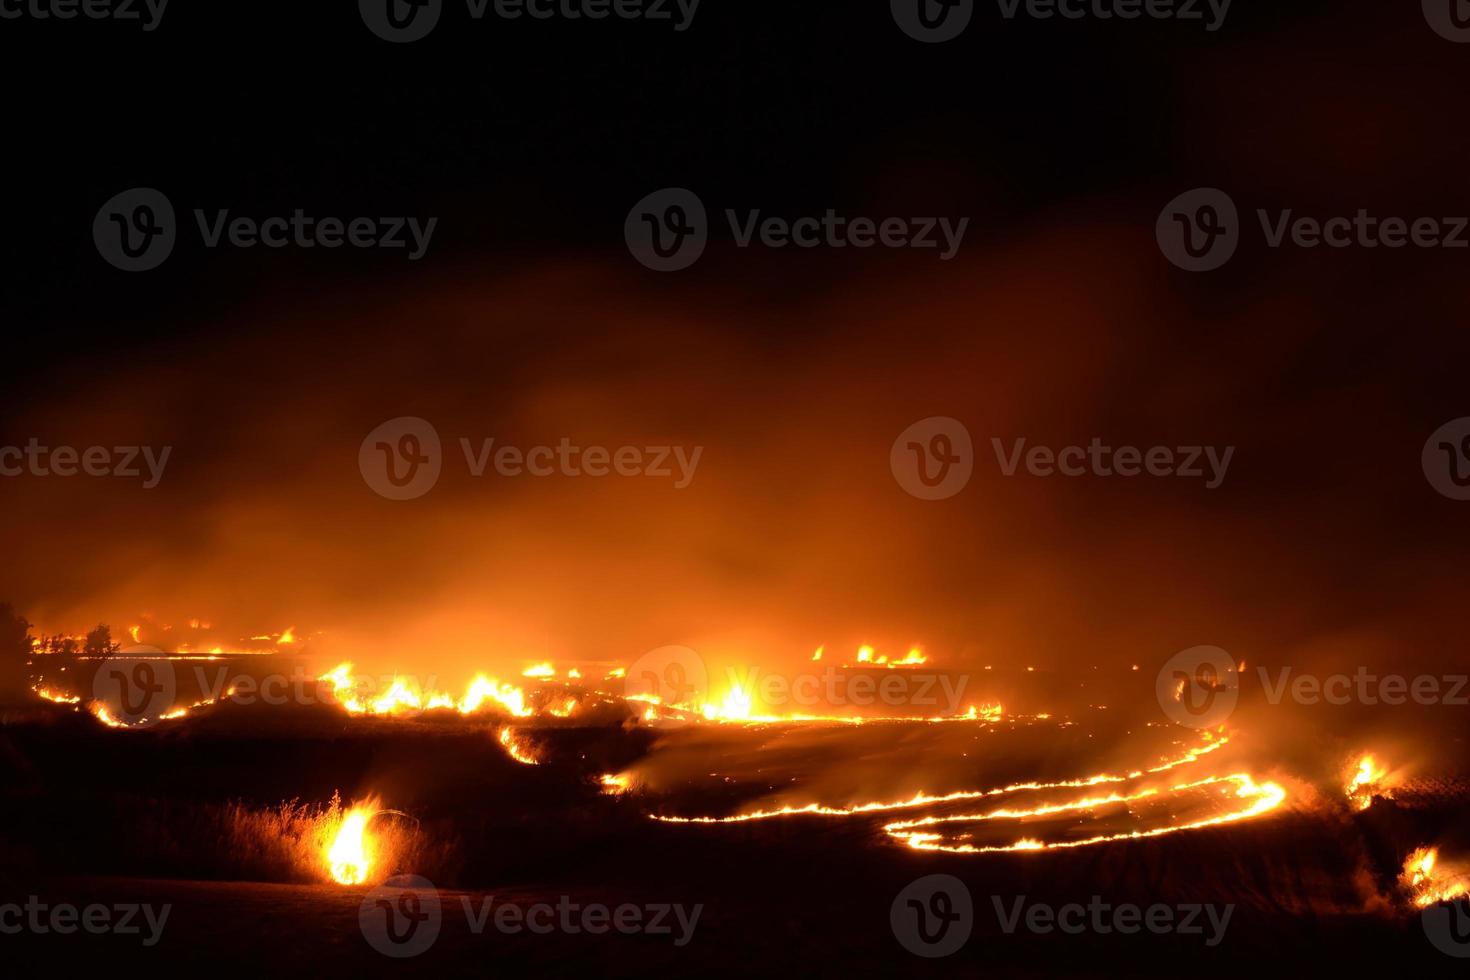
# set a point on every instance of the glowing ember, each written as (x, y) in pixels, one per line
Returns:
(1427, 881)
(1366, 783)
(925, 799)
(1262, 798)
(103, 715)
(615, 785)
(348, 857)
(735, 707)
(404, 696)
(516, 748)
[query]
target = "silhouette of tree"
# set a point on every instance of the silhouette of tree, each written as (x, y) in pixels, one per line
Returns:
(15, 654)
(99, 642)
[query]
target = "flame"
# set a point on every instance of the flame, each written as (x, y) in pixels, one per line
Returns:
(57, 697)
(912, 659)
(924, 799)
(539, 671)
(1426, 882)
(736, 706)
(103, 715)
(1263, 797)
(404, 695)
(287, 638)
(516, 748)
(348, 857)
(615, 785)
(1366, 782)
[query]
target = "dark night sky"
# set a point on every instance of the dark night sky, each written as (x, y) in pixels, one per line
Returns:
(530, 142)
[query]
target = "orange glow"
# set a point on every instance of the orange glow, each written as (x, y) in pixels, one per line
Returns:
(925, 799)
(1428, 883)
(349, 858)
(1366, 782)
(516, 749)
(1262, 798)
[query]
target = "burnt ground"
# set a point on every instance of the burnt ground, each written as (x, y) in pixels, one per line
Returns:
(100, 816)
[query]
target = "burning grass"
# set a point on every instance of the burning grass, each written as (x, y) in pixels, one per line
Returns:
(301, 842)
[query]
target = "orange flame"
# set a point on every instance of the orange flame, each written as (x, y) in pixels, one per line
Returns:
(348, 857)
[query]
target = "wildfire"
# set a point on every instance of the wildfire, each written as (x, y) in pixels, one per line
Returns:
(539, 671)
(349, 858)
(1260, 797)
(403, 695)
(1427, 883)
(735, 707)
(1366, 782)
(57, 697)
(516, 748)
(615, 785)
(925, 799)
(103, 715)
